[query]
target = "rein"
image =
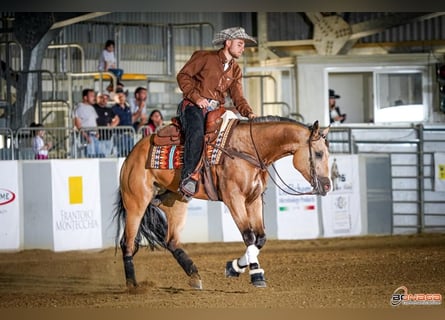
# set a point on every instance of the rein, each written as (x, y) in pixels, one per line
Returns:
(293, 192)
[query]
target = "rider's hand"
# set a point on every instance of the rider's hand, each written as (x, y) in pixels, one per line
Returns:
(251, 115)
(202, 103)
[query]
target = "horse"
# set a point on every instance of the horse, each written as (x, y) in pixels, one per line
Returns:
(150, 207)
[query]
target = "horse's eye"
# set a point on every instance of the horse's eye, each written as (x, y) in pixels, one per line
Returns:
(318, 154)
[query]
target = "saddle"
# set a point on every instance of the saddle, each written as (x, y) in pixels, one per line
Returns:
(172, 133)
(170, 137)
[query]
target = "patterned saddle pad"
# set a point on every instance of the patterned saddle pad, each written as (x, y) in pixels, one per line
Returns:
(171, 156)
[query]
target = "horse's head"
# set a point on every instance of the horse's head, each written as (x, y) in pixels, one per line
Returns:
(311, 159)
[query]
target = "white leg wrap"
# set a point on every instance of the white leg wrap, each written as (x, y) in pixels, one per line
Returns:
(243, 260)
(254, 271)
(235, 266)
(252, 253)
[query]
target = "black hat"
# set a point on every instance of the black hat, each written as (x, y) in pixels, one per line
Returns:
(332, 94)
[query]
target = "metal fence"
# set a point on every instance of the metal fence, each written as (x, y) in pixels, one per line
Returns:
(416, 203)
(68, 143)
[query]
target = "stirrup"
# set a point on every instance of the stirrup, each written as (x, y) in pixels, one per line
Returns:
(188, 188)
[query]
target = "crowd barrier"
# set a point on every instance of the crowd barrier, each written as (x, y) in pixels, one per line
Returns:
(68, 204)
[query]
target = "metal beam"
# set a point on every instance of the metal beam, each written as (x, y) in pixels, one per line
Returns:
(80, 18)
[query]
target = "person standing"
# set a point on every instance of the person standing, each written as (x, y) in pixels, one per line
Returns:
(124, 136)
(335, 114)
(138, 107)
(85, 121)
(39, 146)
(155, 121)
(105, 118)
(205, 80)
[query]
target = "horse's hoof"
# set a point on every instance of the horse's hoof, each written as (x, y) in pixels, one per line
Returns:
(257, 278)
(195, 282)
(232, 269)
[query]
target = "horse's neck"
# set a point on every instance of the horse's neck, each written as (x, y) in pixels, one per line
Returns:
(275, 140)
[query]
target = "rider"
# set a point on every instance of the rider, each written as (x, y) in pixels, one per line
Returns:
(205, 80)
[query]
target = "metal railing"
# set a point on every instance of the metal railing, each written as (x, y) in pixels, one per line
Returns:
(417, 205)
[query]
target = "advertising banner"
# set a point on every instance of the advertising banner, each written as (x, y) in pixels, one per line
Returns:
(296, 216)
(341, 212)
(76, 204)
(439, 165)
(9, 206)
(196, 225)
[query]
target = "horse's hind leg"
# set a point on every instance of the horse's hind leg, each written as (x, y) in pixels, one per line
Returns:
(176, 211)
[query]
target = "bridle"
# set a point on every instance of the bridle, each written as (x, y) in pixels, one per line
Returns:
(313, 173)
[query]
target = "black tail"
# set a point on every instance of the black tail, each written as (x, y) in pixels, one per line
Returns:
(153, 226)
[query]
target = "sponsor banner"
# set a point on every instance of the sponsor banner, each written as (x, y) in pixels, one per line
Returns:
(297, 216)
(9, 206)
(196, 224)
(439, 164)
(229, 229)
(76, 204)
(341, 206)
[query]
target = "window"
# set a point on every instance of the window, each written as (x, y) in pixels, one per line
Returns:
(399, 96)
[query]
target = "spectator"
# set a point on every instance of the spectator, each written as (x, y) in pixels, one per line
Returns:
(105, 118)
(155, 121)
(124, 137)
(39, 146)
(335, 114)
(138, 107)
(85, 118)
(107, 60)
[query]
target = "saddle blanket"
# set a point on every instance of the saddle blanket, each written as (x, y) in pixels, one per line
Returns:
(171, 157)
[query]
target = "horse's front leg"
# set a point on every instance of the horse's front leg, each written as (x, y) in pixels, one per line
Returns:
(254, 238)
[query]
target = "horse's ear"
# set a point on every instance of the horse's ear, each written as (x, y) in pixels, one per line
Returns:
(315, 126)
(325, 132)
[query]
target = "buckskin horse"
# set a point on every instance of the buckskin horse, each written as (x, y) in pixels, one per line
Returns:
(148, 204)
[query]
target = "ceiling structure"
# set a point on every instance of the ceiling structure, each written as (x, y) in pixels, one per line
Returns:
(333, 35)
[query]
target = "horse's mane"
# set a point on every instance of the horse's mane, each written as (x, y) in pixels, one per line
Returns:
(277, 119)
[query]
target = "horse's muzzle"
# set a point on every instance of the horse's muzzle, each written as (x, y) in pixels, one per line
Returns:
(322, 186)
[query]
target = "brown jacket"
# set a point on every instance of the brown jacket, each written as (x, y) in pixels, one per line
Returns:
(204, 76)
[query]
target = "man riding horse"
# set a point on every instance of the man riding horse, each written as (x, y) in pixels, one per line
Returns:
(205, 80)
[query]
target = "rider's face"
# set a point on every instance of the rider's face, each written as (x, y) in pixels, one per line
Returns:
(235, 47)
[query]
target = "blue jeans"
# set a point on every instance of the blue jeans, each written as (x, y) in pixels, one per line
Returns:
(105, 147)
(117, 72)
(93, 146)
(124, 144)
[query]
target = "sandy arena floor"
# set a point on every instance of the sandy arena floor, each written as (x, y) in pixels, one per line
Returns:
(323, 273)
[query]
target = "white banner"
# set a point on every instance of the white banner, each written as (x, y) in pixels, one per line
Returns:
(439, 165)
(10, 199)
(196, 224)
(76, 204)
(297, 216)
(341, 207)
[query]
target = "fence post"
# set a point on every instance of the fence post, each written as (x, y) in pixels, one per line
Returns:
(420, 174)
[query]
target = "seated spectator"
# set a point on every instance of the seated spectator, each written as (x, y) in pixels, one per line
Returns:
(107, 60)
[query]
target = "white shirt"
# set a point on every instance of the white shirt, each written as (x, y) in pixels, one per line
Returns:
(37, 146)
(86, 114)
(134, 107)
(108, 57)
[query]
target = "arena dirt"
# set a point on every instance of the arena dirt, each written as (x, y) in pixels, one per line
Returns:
(321, 273)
